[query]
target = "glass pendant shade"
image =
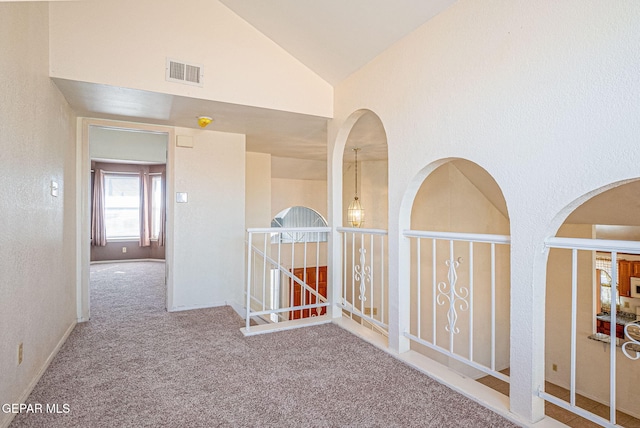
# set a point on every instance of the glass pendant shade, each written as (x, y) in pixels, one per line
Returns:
(355, 213)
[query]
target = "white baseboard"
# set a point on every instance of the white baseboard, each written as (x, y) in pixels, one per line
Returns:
(100, 262)
(192, 307)
(236, 307)
(25, 394)
(240, 309)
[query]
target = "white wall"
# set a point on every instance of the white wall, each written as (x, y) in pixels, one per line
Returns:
(209, 229)
(258, 190)
(37, 231)
(531, 92)
(113, 45)
(287, 193)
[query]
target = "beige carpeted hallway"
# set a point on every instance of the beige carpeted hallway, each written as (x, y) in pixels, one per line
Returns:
(135, 365)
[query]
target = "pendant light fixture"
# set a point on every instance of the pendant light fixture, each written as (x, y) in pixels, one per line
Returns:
(355, 212)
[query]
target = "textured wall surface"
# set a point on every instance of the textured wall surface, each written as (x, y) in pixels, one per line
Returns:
(209, 229)
(241, 65)
(37, 231)
(530, 91)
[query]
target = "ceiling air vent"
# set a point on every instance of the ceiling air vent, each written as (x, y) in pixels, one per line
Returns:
(181, 72)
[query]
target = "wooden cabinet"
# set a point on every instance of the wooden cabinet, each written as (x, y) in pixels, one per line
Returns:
(605, 327)
(635, 268)
(625, 269)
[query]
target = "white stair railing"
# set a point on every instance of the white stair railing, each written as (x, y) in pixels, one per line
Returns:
(364, 277)
(629, 344)
(454, 283)
(273, 257)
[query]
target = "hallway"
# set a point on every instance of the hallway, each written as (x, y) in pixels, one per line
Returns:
(134, 364)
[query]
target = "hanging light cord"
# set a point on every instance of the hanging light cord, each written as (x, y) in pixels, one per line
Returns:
(356, 150)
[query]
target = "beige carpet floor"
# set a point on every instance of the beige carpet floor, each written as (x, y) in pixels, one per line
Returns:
(135, 365)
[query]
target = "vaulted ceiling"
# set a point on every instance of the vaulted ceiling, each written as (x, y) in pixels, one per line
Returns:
(333, 38)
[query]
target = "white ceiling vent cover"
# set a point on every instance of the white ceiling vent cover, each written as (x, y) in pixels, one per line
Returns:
(182, 72)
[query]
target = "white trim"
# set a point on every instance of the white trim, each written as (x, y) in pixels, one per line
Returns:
(285, 325)
(240, 310)
(99, 262)
(25, 394)
(454, 236)
(193, 307)
(83, 165)
(362, 230)
(288, 229)
(606, 245)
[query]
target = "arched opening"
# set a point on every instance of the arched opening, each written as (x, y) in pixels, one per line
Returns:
(592, 278)
(457, 264)
(369, 184)
(363, 273)
(299, 217)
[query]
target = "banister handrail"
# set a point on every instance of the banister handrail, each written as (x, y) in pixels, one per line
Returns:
(608, 245)
(361, 230)
(287, 229)
(453, 236)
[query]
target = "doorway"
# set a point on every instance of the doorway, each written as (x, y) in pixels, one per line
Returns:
(127, 152)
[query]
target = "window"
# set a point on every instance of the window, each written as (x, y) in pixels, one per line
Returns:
(603, 269)
(122, 205)
(156, 205)
(299, 217)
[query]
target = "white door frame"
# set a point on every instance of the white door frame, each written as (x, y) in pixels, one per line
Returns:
(83, 207)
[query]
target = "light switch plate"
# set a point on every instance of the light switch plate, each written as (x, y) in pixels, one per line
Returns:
(181, 197)
(54, 188)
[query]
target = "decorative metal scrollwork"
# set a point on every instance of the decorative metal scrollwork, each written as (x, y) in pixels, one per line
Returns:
(449, 293)
(362, 274)
(632, 348)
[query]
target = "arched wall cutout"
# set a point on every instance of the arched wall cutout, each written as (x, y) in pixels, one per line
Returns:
(408, 200)
(565, 212)
(337, 160)
(541, 259)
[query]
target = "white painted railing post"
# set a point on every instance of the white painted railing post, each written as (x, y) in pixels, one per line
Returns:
(248, 301)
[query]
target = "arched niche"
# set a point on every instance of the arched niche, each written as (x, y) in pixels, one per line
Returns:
(364, 131)
(455, 195)
(607, 213)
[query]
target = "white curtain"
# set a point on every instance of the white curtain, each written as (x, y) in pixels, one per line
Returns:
(145, 208)
(98, 229)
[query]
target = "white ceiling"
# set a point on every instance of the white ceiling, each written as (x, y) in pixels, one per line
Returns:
(335, 38)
